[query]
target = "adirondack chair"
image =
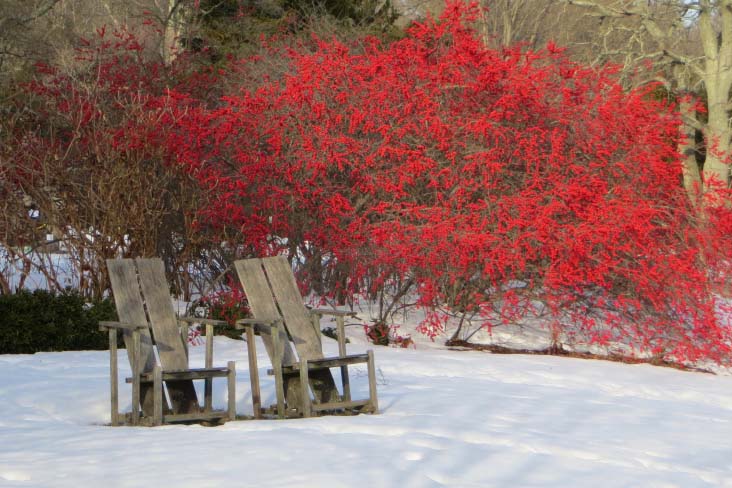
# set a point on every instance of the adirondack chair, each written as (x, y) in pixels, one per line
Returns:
(303, 378)
(143, 306)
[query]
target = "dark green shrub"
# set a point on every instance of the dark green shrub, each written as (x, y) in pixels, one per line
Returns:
(42, 321)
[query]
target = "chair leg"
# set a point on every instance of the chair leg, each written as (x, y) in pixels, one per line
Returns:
(113, 378)
(135, 417)
(254, 374)
(231, 383)
(208, 385)
(277, 366)
(157, 395)
(373, 399)
(342, 352)
(304, 388)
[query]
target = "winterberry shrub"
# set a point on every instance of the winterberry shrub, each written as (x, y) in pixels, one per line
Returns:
(503, 183)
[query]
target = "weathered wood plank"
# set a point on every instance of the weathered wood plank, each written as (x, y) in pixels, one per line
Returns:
(297, 320)
(345, 379)
(304, 382)
(231, 389)
(158, 395)
(107, 325)
(290, 302)
(327, 363)
(164, 324)
(335, 313)
(204, 321)
(279, 378)
(113, 378)
(186, 374)
(373, 397)
(319, 407)
(190, 417)
(254, 373)
(208, 388)
(261, 302)
(136, 376)
(131, 310)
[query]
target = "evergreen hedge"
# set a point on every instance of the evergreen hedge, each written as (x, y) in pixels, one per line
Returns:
(43, 321)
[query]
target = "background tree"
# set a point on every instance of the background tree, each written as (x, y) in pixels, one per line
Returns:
(688, 45)
(21, 44)
(531, 23)
(84, 147)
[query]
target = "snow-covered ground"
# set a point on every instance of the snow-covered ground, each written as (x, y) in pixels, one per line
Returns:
(448, 418)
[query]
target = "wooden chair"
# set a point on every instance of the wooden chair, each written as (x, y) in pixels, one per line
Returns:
(304, 383)
(143, 306)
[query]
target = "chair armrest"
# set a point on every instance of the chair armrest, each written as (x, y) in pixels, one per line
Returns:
(197, 320)
(326, 363)
(105, 325)
(334, 313)
(244, 323)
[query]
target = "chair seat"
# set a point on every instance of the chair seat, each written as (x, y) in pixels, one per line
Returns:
(345, 405)
(326, 363)
(185, 374)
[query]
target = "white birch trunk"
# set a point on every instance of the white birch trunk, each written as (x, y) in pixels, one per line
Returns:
(718, 81)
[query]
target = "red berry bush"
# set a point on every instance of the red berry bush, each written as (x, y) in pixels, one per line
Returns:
(504, 183)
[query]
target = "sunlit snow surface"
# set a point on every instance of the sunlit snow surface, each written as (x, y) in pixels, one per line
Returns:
(448, 418)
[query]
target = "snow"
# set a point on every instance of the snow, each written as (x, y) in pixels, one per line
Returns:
(58, 266)
(448, 418)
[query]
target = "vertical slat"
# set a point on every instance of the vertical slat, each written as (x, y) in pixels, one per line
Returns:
(208, 385)
(254, 373)
(340, 324)
(209, 345)
(372, 383)
(315, 319)
(346, 381)
(183, 329)
(277, 365)
(157, 395)
(231, 384)
(304, 384)
(113, 378)
(135, 376)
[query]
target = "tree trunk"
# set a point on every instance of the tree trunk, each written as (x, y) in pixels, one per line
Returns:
(718, 81)
(688, 150)
(174, 15)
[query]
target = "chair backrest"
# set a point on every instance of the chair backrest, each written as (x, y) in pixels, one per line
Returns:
(130, 307)
(297, 318)
(164, 323)
(271, 291)
(261, 302)
(141, 296)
